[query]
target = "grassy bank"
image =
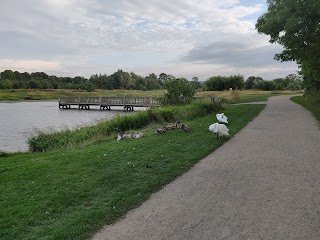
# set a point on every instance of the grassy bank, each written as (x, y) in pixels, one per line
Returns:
(312, 108)
(70, 194)
(53, 94)
(73, 138)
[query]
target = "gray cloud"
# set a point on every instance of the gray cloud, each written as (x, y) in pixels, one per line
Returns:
(233, 53)
(75, 36)
(25, 45)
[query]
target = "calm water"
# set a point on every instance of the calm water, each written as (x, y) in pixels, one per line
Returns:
(19, 120)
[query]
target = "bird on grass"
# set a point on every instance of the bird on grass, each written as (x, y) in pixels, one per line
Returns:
(138, 135)
(171, 127)
(122, 136)
(219, 129)
(184, 128)
(222, 118)
(160, 130)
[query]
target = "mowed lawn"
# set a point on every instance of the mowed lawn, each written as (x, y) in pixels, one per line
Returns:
(70, 194)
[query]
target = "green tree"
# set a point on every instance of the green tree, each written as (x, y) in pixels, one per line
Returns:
(179, 92)
(220, 83)
(252, 82)
(35, 84)
(88, 86)
(19, 85)
(295, 25)
(195, 82)
(163, 77)
(294, 86)
(267, 85)
(7, 74)
(6, 84)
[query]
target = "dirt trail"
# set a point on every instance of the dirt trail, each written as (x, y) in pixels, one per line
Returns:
(262, 184)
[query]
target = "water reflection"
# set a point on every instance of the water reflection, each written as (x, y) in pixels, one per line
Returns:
(19, 120)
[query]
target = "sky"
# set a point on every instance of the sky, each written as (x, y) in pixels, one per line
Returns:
(184, 38)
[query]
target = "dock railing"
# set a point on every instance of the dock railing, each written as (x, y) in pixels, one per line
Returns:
(127, 102)
(106, 102)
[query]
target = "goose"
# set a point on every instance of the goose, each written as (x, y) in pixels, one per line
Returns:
(184, 128)
(138, 135)
(171, 127)
(219, 129)
(122, 136)
(160, 130)
(222, 118)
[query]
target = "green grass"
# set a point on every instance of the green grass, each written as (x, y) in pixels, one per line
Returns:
(74, 138)
(70, 194)
(312, 108)
(254, 98)
(51, 94)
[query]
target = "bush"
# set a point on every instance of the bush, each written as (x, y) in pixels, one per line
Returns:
(220, 83)
(180, 92)
(313, 97)
(267, 85)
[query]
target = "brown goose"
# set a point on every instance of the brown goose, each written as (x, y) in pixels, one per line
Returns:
(184, 128)
(160, 130)
(171, 127)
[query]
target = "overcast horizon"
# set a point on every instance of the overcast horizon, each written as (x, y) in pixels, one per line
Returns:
(184, 38)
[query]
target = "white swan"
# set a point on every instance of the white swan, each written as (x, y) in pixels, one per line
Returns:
(219, 129)
(222, 118)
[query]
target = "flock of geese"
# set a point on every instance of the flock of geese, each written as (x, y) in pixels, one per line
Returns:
(219, 128)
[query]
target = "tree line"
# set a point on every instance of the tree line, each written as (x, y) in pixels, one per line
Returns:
(124, 80)
(39, 80)
(292, 82)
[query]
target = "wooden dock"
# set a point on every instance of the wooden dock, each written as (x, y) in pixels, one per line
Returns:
(105, 103)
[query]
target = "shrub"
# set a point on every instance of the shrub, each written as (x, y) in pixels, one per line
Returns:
(179, 92)
(313, 97)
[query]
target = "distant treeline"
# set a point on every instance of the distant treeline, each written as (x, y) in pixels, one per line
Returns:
(124, 80)
(219, 83)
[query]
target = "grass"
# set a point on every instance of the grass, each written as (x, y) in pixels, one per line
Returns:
(254, 98)
(312, 108)
(244, 96)
(70, 194)
(51, 94)
(74, 138)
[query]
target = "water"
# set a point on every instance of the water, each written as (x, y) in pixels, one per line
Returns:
(19, 120)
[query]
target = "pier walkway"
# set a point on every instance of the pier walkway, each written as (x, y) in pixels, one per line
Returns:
(128, 103)
(105, 103)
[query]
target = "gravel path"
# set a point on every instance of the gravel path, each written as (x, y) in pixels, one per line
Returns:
(262, 184)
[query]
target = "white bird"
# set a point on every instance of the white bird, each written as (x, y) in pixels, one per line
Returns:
(219, 129)
(222, 118)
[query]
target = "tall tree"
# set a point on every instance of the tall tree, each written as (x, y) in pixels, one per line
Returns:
(295, 24)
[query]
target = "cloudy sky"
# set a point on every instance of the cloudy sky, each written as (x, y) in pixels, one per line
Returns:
(185, 38)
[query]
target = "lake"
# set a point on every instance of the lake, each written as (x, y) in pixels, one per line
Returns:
(19, 120)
